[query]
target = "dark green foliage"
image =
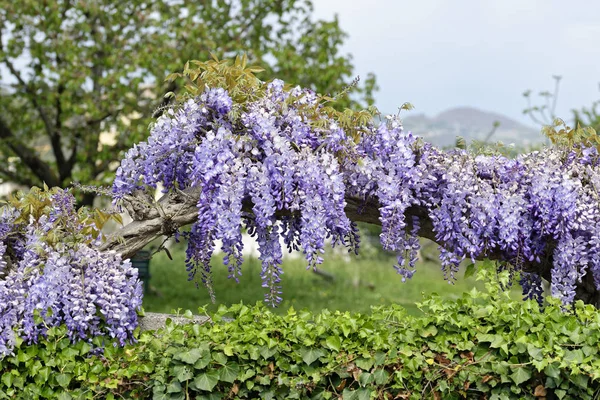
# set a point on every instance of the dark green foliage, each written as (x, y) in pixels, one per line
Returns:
(482, 346)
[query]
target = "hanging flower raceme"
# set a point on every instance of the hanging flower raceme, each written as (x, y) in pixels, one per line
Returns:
(57, 276)
(282, 166)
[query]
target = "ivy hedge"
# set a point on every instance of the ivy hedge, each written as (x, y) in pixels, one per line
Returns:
(482, 346)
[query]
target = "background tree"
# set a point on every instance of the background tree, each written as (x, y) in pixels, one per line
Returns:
(73, 71)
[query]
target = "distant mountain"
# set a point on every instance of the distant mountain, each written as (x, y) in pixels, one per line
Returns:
(470, 123)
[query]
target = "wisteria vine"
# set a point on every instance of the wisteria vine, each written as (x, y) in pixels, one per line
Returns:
(57, 276)
(266, 166)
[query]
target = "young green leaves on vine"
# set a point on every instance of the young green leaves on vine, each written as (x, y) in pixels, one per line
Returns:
(566, 137)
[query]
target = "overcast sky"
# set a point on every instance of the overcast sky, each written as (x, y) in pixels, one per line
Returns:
(438, 54)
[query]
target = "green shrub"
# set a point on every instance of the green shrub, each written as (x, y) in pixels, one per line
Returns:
(484, 345)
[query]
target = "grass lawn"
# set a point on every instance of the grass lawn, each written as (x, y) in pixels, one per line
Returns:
(360, 282)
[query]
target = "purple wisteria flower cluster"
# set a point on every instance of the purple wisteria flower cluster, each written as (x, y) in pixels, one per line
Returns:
(269, 168)
(248, 169)
(66, 281)
(518, 209)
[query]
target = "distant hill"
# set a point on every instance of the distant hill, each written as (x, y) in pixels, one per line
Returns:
(470, 123)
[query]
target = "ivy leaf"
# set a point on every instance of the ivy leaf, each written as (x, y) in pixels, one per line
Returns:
(380, 358)
(311, 355)
(64, 396)
(360, 394)
(203, 362)
(189, 356)
(182, 373)
(7, 379)
(70, 353)
(207, 380)
(430, 330)
(381, 376)
(266, 352)
(520, 375)
(84, 348)
(365, 378)
(43, 374)
(552, 371)
(574, 356)
(160, 395)
(63, 379)
(364, 363)
(470, 270)
(174, 387)
(220, 358)
(333, 342)
(580, 380)
(229, 372)
(534, 352)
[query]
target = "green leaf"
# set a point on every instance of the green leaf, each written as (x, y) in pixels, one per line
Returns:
(380, 358)
(189, 356)
(92, 378)
(381, 376)
(360, 394)
(159, 395)
(364, 363)
(203, 362)
(7, 379)
(84, 348)
(365, 378)
(267, 352)
(229, 372)
(580, 380)
(520, 375)
(253, 352)
(470, 270)
(147, 368)
(63, 379)
(196, 329)
(206, 380)
(70, 352)
(42, 375)
(174, 387)
(333, 342)
(428, 331)
(552, 371)
(228, 350)
(220, 358)
(534, 352)
(574, 356)
(64, 396)
(310, 355)
(182, 373)
(496, 341)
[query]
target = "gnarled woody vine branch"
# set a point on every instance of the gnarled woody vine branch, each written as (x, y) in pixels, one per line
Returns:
(179, 209)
